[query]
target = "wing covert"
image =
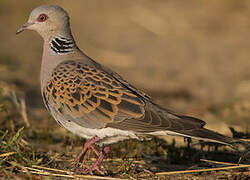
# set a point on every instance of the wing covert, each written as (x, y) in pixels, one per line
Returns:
(80, 91)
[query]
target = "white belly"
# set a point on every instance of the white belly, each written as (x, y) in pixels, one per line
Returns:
(107, 135)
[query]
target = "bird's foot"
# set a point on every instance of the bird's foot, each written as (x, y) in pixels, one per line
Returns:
(96, 165)
(89, 144)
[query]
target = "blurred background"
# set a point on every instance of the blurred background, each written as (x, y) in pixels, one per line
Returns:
(192, 57)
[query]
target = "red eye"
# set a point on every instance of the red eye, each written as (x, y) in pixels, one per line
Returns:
(42, 18)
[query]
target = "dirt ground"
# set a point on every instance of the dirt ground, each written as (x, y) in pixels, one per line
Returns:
(191, 56)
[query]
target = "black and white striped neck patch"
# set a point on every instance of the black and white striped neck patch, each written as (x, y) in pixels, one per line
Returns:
(61, 45)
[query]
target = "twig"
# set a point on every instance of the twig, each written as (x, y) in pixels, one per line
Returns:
(52, 169)
(218, 162)
(48, 174)
(202, 170)
(24, 112)
(22, 107)
(7, 154)
(68, 174)
(247, 140)
(32, 169)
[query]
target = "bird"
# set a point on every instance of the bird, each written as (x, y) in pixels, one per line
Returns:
(96, 103)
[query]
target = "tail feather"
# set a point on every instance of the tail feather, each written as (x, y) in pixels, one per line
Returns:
(207, 135)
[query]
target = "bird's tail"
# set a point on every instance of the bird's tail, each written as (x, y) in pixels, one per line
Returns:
(208, 135)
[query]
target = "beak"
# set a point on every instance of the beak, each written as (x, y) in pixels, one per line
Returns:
(23, 27)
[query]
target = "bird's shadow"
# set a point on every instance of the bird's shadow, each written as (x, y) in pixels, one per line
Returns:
(160, 155)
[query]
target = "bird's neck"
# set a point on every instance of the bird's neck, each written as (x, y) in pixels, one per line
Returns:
(56, 49)
(60, 45)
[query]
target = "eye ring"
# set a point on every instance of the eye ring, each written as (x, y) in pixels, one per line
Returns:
(42, 18)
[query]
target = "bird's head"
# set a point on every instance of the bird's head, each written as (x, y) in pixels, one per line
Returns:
(47, 20)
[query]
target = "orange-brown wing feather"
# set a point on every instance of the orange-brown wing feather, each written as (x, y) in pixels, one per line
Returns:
(79, 90)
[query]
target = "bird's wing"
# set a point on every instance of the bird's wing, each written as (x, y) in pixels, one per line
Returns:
(89, 96)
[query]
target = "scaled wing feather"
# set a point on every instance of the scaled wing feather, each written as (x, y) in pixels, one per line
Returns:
(80, 90)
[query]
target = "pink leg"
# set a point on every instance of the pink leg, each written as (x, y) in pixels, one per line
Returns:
(96, 165)
(95, 150)
(87, 145)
